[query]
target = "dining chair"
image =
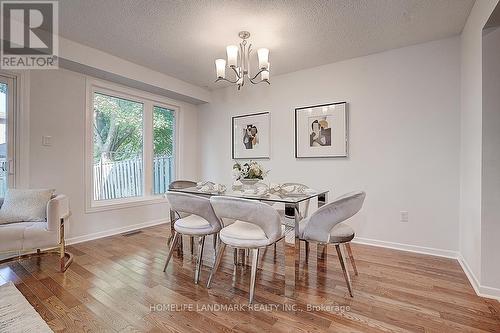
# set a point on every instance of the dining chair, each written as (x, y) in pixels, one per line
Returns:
(325, 226)
(256, 225)
(179, 184)
(200, 222)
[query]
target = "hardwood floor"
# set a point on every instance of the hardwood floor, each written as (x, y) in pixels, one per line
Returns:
(117, 284)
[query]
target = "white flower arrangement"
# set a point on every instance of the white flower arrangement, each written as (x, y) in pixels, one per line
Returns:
(249, 170)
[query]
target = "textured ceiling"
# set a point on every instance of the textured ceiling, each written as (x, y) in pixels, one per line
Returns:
(183, 38)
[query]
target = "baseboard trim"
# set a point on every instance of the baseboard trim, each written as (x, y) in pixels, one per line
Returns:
(408, 248)
(114, 231)
(483, 291)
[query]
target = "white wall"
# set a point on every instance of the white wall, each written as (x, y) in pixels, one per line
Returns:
(57, 108)
(490, 224)
(404, 138)
(471, 136)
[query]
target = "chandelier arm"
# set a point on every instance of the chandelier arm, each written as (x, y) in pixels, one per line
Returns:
(224, 79)
(267, 81)
(236, 72)
(255, 76)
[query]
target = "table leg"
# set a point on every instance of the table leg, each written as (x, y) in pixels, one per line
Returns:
(292, 258)
(321, 249)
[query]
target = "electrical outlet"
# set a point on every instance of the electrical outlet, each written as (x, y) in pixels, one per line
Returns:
(46, 140)
(403, 216)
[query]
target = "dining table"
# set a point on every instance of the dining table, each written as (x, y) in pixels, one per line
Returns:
(292, 202)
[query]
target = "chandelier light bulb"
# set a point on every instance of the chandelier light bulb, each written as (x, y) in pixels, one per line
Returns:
(220, 65)
(264, 76)
(263, 55)
(232, 55)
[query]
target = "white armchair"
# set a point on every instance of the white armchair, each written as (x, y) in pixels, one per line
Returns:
(26, 237)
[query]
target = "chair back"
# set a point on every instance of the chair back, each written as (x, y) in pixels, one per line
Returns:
(250, 211)
(324, 219)
(178, 184)
(196, 205)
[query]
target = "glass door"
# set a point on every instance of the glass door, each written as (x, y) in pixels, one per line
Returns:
(7, 90)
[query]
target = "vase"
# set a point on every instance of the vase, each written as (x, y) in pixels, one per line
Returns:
(249, 184)
(250, 181)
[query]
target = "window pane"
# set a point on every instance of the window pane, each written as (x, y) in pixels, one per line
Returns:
(3, 139)
(163, 148)
(118, 145)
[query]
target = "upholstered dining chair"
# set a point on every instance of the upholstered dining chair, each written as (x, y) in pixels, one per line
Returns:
(179, 184)
(200, 222)
(256, 225)
(326, 226)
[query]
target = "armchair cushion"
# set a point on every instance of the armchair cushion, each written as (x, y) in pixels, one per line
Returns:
(26, 235)
(25, 206)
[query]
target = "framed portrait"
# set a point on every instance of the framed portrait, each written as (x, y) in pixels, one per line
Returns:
(321, 131)
(251, 136)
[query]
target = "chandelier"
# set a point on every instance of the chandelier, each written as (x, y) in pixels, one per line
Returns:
(238, 59)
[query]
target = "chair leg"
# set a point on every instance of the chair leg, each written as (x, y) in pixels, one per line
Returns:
(307, 251)
(344, 269)
(63, 264)
(172, 230)
(215, 241)
(235, 263)
(220, 253)
(235, 257)
(171, 250)
(191, 243)
(351, 258)
(255, 258)
(201, 243)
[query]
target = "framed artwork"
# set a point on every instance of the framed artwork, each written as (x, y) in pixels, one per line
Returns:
(321, 131)
(251, 136)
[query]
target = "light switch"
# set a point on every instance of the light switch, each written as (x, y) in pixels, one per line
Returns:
(46, 140)
(404, 216)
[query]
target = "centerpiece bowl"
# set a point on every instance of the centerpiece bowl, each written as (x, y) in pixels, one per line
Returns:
(249, 181)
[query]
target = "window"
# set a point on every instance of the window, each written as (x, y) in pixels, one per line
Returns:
(3, 138)
(7, 132)
(163, 148)
(132, 139)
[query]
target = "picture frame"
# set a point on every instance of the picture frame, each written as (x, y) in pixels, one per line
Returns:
(321, 131)
(251, 136)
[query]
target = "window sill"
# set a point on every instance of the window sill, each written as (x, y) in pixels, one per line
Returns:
(99, 206)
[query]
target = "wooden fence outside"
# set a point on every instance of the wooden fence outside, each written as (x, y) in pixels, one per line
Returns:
(114, 180)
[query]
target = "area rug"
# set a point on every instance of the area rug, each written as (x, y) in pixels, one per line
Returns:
(17, 314)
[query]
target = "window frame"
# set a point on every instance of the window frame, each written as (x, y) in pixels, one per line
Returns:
(149, 101)
(11, 114)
